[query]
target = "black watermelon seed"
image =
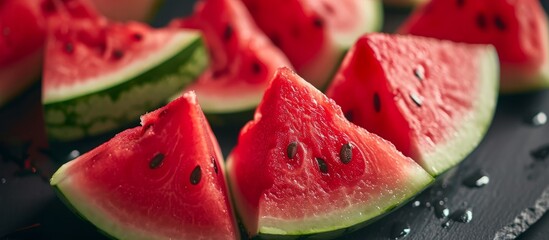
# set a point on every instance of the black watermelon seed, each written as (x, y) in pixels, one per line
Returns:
(318, 22)
(137, 36)
(346, 153)
(117, 54)
(415, 98)
(228, 33)
(256, 68)
(69, 48)
(291, 150)
(349, 115)
(377, 102)
(500, 24)
(419, 72)
(196, 175)
(481, 21)
(322, 165)
(460, 3)
(156, 161)
(214, 163)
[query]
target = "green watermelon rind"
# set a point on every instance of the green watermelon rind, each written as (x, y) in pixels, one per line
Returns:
(416, 182)
(321, 71)
(475, 125)
(111, 108)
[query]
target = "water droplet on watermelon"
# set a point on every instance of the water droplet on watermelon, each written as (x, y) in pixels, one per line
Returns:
(3, 180)
(441, 210)
(400, 230)
(291, 150)
(477, 179)
(214, 163)
(537, 119)
(322, 165)
(463, 215)
(416, 99)
(419, 72)
(117, 54)
(346, 153)
(416, 203)
(73, 154)
(227, 33)
(541, 153)
(196, 175)
(500, 24)
(427, 204)
(481, 21)
(256, 68)
(317, 22)
(69, 48)
(156, 161)
(446, 224)
(377, 102)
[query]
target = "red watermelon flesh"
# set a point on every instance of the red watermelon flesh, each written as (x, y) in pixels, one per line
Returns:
(314, 34)
(517, 28)
(162, 180)
(243, 60)
(301, 168)
(433, 99)
(23, 27)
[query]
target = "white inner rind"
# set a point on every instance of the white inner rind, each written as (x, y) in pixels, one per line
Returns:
(319, 71)
(174, 46)
(474, 125)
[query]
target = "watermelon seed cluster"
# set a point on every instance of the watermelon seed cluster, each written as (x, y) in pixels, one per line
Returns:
(156, 161)
(196, 175)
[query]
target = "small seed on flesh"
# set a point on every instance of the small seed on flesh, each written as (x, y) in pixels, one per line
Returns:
(69, 48)
(228, 33)
(137, 36)
(346, 153)
(156, 161)
(291, 150)
(318, 22)
(256, 68)
(117, 54)
(377, 102)
(416, 99)
(196, 175)
(322, 165)
(500, 24)
(481, 21)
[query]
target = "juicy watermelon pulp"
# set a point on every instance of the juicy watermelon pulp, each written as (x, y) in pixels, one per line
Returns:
(517, 28)
(162, 180)
(243, 60)
(99, 75)
(433, 99)
(301, 168)
(315, 34)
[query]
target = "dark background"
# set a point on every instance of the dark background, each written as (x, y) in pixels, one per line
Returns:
(29, 208)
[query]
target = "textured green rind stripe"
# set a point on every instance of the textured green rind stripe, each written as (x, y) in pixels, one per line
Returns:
(474, 126)
(100, 112)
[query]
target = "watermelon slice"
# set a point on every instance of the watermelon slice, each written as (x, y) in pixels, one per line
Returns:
(162, 180)
(301, 168)
(243, 60)
(128, 10)
(517, 28)
(433, 99)
(22, 33)
(315, 34)
(99, 75)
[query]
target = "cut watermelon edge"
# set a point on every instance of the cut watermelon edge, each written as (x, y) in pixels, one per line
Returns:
(100, 112)
(476, 124)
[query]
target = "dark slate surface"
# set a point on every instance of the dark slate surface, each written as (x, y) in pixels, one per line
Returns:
(515, 198)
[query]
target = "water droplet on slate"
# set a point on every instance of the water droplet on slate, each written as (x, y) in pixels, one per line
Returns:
(446, 224)
(463, 215)
(427, 204)
(537, 119)
(441, 210)
(400, 230)
(3, 180)
(416, 203)
(73, 154)
(477, 179)
(419, 72)
(541, 153)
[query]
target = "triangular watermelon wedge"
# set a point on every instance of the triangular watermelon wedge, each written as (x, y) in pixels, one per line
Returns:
(301, 168)
(162, 180)
(433, 99)
(518, 29)
(243, 59)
